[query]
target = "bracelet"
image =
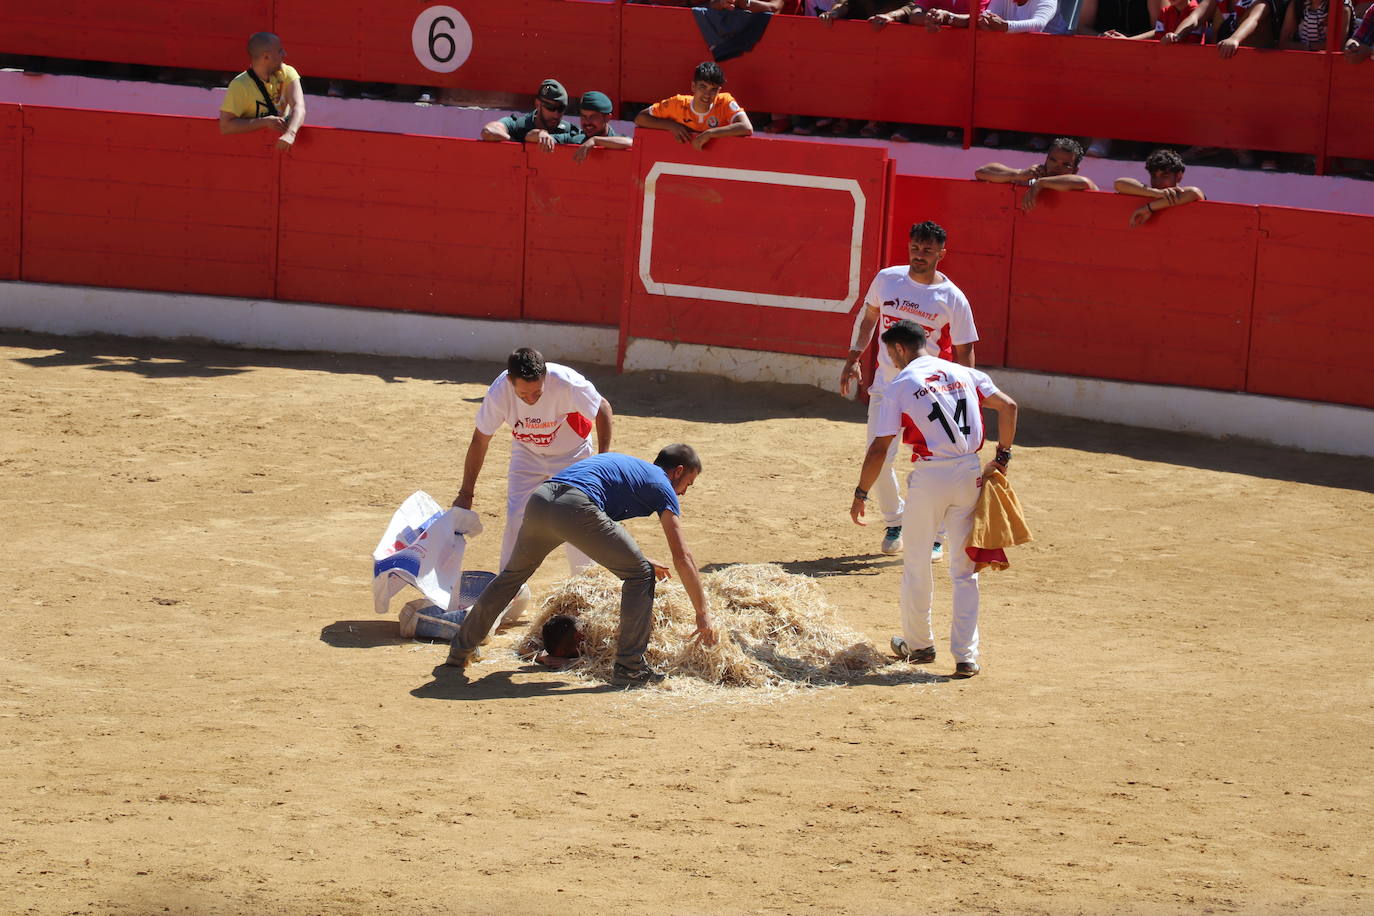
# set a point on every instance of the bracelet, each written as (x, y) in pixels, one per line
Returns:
(1150, 206)
(861, 493)
(464, 492)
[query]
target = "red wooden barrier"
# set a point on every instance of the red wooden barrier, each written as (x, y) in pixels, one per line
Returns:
(199, 34)
(978, 218)
(802, 67)
(756, 246)
(513, 46)
(1313, 332)
(1351, 126)
(11, 185)
(1168, 302)
(1141, 90)
(576, 215)
(403, 222)
(146, 202)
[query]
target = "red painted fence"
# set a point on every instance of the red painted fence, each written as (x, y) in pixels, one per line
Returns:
(749, 244)
(1293, 101)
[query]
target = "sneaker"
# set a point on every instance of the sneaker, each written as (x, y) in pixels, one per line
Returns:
(892, 540)
(407, 622)
(459, 659)
(623, 676)
(937, 552)
(965, 670)
(915, 656)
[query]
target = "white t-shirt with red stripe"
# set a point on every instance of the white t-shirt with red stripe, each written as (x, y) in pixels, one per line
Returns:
(557, 424)
(935, 406)
(939, 307)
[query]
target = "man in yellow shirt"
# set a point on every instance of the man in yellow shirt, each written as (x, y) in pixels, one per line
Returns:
(703, 116)
(266, 95)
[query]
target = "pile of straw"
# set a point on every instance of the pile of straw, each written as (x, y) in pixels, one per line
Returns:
(776, 629)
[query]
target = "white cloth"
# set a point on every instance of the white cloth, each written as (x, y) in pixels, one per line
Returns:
(557, 424)
(939, 307)
(527, 471)
(934, 406)
(423, 546)
(941, 493)
(1031, 16)
(886, 491)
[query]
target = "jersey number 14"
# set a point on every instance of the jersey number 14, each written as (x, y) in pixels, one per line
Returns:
(960, 418)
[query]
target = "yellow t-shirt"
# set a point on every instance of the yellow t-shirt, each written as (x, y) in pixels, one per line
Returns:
(679, 108)
(243, 100)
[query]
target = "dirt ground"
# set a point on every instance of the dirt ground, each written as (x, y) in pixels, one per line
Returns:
(201, 713)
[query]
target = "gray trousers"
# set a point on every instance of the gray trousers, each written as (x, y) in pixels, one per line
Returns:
(559, 514)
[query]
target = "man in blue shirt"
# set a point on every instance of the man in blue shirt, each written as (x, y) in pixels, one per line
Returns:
(581, 506)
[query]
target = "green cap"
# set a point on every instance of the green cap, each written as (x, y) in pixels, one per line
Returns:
(596, 101)
(553, 91)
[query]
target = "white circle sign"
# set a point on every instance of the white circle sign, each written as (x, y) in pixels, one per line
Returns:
(441, 39)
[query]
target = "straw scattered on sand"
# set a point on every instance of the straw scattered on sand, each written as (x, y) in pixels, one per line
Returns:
(776, 630)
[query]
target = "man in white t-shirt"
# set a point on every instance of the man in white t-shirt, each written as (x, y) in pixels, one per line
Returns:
(922, 294)
(551, 411)
(933, 406)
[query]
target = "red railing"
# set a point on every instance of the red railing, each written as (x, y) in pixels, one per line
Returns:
(750, 244)
(1288, 101)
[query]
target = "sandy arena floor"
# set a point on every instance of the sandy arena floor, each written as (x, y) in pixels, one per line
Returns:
(202, 715)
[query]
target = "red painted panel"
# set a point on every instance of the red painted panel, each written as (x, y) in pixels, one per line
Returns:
(576, 218)
(776, 232)
(514, 46)
(1351, 131)
(803, 67)
(978, 218)
(1313, 332)
(201, 34)
(147, 202)
(11, 187)
(1141, 90)
(403, 222)
(1168, 302)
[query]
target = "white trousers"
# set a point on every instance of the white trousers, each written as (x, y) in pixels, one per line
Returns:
(885, 491)
(941, 493)
(527, 471)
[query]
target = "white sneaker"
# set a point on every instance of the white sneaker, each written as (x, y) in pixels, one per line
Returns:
(892, 540)
(937, 552)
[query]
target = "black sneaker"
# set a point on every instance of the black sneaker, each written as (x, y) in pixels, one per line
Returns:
(915, 656)
(965, 670)
(623, 676)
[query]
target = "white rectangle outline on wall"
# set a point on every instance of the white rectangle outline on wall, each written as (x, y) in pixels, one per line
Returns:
(717, 294)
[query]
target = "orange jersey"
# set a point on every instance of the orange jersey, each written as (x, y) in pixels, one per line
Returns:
(679, 109)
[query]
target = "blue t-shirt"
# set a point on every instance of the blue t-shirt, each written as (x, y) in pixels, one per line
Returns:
(622, 486)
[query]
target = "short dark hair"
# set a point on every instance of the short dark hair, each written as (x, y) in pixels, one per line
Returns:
(1164, 160)
(261, 41)
(678, 456)
(709, 71)
(929, 231)
(526, 363)
(559, 634)
(906, 332)
(1071, 146)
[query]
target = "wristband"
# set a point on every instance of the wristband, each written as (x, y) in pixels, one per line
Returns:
(861, 493)
(1003, 456)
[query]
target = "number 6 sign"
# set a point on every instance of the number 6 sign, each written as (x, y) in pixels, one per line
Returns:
(441, 39)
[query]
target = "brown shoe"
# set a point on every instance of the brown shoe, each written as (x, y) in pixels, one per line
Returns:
(965, 670)
(459, 659)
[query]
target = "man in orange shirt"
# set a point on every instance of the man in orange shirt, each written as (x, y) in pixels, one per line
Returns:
(701, 117)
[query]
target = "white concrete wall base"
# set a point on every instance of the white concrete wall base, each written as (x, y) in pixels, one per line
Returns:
(1309, 425)
(271, 325)
(740, 365)
(76, 310)
(1332, 428)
